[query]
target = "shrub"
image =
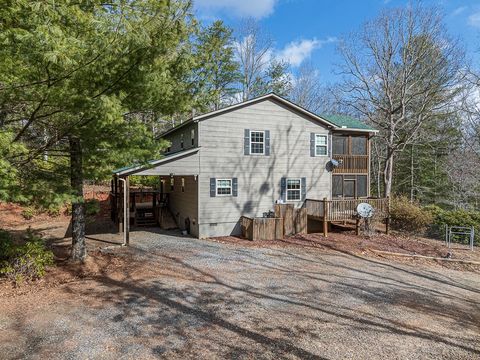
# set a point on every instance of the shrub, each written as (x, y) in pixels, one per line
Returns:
(408, 217)
(28, 213)
(27, 261)
(441, 218)
(92, 207)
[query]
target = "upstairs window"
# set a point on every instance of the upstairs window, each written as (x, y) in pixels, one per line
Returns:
(181, 141)
(294, 190)
(224, 187)
(192, 136)
(257, 142)
(321, 145)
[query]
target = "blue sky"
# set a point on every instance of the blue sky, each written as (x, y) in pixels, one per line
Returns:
(307, 30)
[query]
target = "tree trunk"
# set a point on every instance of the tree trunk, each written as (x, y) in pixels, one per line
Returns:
(388, 174)
(79, 252)
(412, 176)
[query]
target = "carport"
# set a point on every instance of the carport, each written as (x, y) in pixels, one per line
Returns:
(176, 195)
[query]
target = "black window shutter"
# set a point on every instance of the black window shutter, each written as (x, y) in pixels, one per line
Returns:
(213, 187)
(283, 189)
(312, 144)
(246, 142)
(235, 187)
(267, 142)
(304, 188)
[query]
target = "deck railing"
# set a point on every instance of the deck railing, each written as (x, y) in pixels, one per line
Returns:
(351, 164)
(344, 209)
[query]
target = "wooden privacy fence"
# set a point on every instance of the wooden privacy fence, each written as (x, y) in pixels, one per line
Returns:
(294, 220)
(262, 228)
(287, 221)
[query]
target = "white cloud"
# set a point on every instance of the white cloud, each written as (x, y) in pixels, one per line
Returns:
(297, 51)
(238, 8)
(474, 19)
(459, 10)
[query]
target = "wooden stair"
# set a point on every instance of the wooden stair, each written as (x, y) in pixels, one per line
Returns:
(166, 220)
(145, 217)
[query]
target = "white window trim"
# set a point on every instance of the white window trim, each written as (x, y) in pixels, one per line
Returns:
(286, 189)
(326, 144)
(263, 143)
(217, 187)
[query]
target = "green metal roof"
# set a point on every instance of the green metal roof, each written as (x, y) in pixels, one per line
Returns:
(125, 168)
(347, 121)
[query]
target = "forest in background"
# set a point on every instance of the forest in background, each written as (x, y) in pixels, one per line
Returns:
(87, 87)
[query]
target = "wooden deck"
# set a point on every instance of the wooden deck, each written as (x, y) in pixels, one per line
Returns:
(331, 211)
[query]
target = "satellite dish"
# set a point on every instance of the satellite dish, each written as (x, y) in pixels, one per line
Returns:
(365, 210)
(332, 164)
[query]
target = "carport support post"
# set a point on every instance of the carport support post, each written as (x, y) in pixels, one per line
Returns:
(325, 217)
(127, 220)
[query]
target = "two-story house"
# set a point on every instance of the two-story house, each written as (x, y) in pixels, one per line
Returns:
(242, 159)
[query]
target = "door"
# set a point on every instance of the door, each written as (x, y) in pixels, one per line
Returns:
(349, 188)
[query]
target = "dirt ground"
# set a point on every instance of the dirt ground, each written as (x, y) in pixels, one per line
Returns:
(172, 296)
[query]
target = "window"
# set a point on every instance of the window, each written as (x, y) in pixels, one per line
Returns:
(321, 145)
(192, 136)
(181, 141)
(294, 190)
(183, 184)
(172, 184)
(224, 187)
(257, 142)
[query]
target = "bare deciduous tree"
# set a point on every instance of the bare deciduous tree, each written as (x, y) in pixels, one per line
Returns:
(400, 72)
(253, 49)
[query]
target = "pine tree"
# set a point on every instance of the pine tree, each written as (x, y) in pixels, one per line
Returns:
(74, 77)
(217, 68)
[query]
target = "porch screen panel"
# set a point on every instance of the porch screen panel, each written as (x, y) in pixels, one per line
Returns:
(339, 145)
(362, 186)
(337, 185)
(359, 145)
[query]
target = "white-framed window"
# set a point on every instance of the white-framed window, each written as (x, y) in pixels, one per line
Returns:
(321, 145)
(192, 136)
(294, 189)
(257, 142)
(224, 187)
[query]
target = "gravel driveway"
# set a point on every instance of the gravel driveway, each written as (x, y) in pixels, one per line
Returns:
(188, 298)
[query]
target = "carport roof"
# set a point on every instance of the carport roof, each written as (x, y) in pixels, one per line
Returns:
(134, 169)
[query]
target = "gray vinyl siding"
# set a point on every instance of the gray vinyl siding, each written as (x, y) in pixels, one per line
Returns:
(221, 139)
(183, 204)
(175, 138)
